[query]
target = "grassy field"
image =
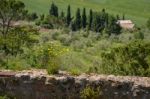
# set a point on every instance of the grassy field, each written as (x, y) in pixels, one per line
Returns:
(137, 10)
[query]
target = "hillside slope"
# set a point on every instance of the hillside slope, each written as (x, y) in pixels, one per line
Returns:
(137, 10)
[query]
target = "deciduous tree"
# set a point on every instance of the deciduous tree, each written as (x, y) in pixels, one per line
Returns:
(9, 11)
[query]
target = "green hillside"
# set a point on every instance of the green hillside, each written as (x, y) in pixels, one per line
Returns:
(137, 10)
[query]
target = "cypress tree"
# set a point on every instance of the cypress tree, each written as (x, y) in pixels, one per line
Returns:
(62, 14)
(118, 18)
(84, 18)
(90, 19)
(68, 18)
(56, 11)
(42, 17)
(103, 19)
(53, 10)
(113, 26)
(103, 10)
(78, 19)
(123, 17)
(73, 26)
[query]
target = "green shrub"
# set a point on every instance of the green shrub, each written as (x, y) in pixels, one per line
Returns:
(4, 97)
(75, 71)
(47, 56)
(17, 63)
(53, 66)
(89, 43)
(47, 26)
(148, 23)
(127, 59)
(139, 35)
(90, 93)
(92, 70)
(55, 35)
(38, 22)
(78, 45)
(65, 39)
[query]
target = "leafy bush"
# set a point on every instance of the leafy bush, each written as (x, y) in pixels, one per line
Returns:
(90, 93)
(53, 66)
(128, 59)
(31, 16)
(47, 56)
(55, 35)
(75, 71)
(78, 45)
(65, 39)
(19, 37)
(148, 24)
(139, 35)
(4, 97)
(16, 63)
(47, 26)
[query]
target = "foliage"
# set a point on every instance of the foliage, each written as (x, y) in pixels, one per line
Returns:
(75, 71)
(31, 17)
(84, 18)
(113, 27)
(53, 66)
(90, 19)
(73, 26)
(139, 35)
(10, 10)
(91, 93)
(62, 15)
(4, 97)
(47, 56)
(17, 38)
(101, 48)
(78, 19)
(130, 59)
(125, 6)
(68, 17)
(50, 22)
(53, 10)
(98, 21)
(148, 24)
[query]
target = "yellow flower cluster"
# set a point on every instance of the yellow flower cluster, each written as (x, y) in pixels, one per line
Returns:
(53, 50)
(56, 50)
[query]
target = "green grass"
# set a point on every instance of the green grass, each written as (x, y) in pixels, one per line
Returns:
(137, 10)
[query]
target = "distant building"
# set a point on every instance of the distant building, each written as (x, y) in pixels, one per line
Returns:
(126, 24)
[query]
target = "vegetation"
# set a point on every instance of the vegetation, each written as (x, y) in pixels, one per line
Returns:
(129, 59)
(54, 10)
(78, 42)
(5, 97)
(68, 18)
(148, 24)
(10, 10)
(98, 21)
(84, 18)
(130, 8)
(91, 93)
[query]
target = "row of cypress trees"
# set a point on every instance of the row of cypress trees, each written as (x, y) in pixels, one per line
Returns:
(96, 21)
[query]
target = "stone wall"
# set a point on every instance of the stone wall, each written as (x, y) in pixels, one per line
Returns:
(39, 85)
